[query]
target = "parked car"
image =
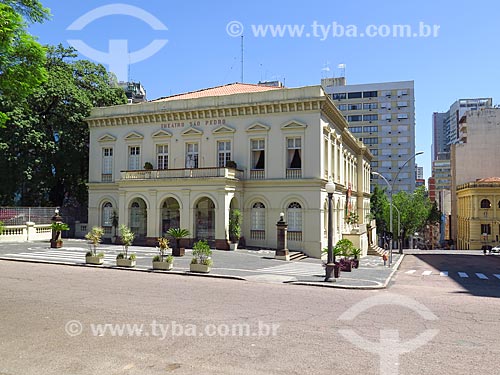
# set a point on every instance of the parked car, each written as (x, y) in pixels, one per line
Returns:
(490, 249)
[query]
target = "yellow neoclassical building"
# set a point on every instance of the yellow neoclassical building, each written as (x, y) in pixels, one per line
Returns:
(187, 160)
(478, 211)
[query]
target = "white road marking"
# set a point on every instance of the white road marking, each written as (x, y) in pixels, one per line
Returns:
(411, 272)
(497, 276)
(426, 273)
(463, 274)
(443, 273)
(482, 276)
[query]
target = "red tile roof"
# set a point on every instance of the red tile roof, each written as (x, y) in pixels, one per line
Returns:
(230, 89)
(489, 179)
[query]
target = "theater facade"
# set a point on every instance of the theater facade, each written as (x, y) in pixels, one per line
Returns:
(187, 160)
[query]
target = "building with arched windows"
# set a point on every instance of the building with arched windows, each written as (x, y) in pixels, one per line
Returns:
(478, 214)
(187, 160)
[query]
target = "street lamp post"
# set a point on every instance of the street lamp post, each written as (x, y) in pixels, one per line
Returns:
(330, 264)
(391, 186)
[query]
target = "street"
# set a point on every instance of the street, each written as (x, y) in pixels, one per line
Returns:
(53, 321)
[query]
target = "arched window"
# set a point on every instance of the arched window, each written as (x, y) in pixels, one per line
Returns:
(258, 216)
(107, 213)
(485, 203)
(294, 215)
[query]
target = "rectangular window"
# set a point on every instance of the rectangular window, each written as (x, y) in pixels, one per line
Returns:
(387, 93)
(402, 92)
(402, 116)
(224, 152)
(485, 229)
(354, 118)
(294, 153)
(370, 141)
(374, 164)
(134, 158)
(356, 129)
(191, 155)
(338, 96)
(370, 117)
(370, 106)
(370, 94)
(342, 107)
(354, 107)
(162, 156)
(387, 117)
(370, 129)
(374, 151)
(354, 95)
(258, 154)
(107, 164)
(402, 104)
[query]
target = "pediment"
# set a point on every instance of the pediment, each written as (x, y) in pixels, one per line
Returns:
(107, 138)
(223, 129)
(293, 125)
(162, 133)
(133, 136)
(192, 131)
(258, 127)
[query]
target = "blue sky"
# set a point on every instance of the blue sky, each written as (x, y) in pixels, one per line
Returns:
(460, 61)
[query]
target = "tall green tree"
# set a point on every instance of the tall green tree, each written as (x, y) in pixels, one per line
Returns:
(22, 58)
(379, 209)
(415, 209)
(46, 139)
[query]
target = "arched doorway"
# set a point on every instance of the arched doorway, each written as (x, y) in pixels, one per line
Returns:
(170, 215)
(138, 217)
(204, 215)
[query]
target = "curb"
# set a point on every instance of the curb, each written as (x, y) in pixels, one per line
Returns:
(395, 267)
(132, 269)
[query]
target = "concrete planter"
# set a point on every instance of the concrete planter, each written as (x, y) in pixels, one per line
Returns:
(125, 263)
(56, 244)
(94, 260)
(164, 266)
(200, 268)
(233, 246)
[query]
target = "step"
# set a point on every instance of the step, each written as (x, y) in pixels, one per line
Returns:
(297, 256)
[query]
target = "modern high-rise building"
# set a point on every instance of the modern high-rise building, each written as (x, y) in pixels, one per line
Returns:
(445, 125)
(419, 172)
(382, 115)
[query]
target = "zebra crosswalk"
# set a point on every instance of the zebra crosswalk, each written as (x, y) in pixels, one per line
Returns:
(460, 274)
(293, 268)
(67, 256)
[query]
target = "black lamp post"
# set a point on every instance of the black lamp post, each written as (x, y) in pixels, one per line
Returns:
(330, 265)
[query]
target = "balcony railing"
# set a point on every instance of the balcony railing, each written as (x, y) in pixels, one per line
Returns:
(294, 236)
(293, 173)
(155, 174)
(257, 174)
(257, 234)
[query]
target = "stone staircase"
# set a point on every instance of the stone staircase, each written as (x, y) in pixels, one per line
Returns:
(297, 256)
(376, 250)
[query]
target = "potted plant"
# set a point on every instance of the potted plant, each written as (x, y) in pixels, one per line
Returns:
(231, 164)
(202, 261)
(234, 228)
(114, 222)
(127, 237)
(355, 252)
(148, 166)
(178, 234)
(57, 228)
(94, 236)
(352, 219)
(162, 261)
(344, 247)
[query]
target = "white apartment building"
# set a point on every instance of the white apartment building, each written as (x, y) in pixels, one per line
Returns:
(286, 143)
(382, 116)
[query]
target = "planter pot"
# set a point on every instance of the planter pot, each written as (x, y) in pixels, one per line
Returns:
(125, 263)
(202, 268)
(164, 266)
(114, 239)
(346, 266)
(94, 260)
(355, 263)
(336, 271)
(233, 246)
(178, 252)
(55, 244)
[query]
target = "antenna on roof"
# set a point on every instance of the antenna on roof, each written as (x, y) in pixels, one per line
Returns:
(242, 59)
(342, 70)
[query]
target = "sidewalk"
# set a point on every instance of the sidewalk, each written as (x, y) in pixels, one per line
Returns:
(242, 264)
